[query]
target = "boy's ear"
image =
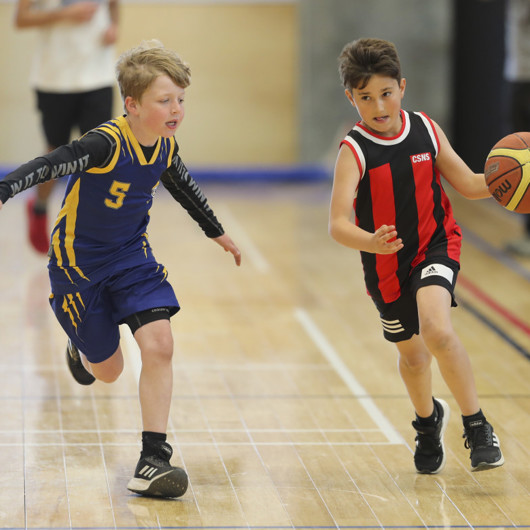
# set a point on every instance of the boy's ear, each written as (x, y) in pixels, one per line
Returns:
(349, 95)
(131, 105)
(402, 86)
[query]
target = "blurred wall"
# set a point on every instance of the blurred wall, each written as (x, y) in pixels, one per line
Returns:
(421, 30)
(265, 88)
(241, 106)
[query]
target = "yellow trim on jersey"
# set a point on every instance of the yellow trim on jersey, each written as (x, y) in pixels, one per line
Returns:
(134, 145)
(110, 166)
(119, 128)
(171, 149)
(69, 306)
(68, 301)
(69, 214)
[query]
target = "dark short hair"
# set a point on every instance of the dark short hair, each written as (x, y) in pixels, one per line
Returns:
(362, 58)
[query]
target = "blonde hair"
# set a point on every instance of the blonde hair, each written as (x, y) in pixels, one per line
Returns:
(138, 67)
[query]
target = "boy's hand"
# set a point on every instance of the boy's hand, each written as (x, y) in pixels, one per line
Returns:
(229, 246)
(111, 35)
(385, 240)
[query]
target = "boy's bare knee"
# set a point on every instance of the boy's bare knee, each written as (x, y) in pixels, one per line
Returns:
(107, 378)
(107, 372)
(437, 337)
(158, 352)
(417, 363)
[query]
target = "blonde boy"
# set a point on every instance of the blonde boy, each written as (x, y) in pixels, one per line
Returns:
(102, 269)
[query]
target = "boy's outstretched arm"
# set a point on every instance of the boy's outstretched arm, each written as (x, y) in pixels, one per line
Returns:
(468, 183)
(341, 228)
(226, 242)
(177, 180)
(90, 151)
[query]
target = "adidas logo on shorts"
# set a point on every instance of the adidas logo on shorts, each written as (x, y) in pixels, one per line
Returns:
(437, 269)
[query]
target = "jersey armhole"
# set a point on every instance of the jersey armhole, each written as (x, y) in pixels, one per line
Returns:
(114, 150)
(357, 153)
(431, 130)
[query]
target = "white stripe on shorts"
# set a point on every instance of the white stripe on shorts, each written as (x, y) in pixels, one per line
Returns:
(392, 326)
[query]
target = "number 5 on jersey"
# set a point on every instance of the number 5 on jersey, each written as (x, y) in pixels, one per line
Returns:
(118, 190)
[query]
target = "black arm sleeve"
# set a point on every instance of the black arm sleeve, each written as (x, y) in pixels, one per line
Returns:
(186, 191)
(92, 150)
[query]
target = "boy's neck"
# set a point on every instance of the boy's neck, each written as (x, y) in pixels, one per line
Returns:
(145, 140)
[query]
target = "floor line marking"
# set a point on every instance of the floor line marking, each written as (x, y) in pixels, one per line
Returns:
(478, 293)
(248, 249)
(349, 379)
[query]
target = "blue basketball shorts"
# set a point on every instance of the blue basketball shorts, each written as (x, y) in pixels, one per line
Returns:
(400, 318)
(91, 317)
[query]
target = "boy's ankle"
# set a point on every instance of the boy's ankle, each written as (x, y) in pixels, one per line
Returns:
(155, 444)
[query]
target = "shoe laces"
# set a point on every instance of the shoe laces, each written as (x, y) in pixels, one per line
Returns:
(478, 436)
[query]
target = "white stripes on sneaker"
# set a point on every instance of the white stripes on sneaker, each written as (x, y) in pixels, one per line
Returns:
(148, 471)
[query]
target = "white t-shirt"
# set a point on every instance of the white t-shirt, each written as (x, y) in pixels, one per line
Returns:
(71, 57)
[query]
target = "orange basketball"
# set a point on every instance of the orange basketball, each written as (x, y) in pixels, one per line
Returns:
(507, 172)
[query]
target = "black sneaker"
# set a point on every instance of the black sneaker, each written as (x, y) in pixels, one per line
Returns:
(484, 445)
(429, 456)
(78, 371)
(156, 477)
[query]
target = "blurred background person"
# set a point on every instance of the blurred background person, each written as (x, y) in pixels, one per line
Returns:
(517, 75)
(73, 78)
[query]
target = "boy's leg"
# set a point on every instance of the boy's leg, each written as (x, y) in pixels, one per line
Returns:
(144, 300)
(432, 415)
(108, 370)
(156, 377)
(434, 305)
(415, 369)
(436, 329)
(154, 475)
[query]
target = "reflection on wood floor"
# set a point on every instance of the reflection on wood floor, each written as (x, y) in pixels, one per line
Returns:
(288, 409)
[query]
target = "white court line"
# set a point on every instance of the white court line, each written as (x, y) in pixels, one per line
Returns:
(355, 387)
(194, 443)
(242, 240)
(133, 354)
(190, 431)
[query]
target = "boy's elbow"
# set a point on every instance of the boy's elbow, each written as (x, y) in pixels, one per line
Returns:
(333, 230)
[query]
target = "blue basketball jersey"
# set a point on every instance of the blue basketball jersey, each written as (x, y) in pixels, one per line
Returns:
(101, 228)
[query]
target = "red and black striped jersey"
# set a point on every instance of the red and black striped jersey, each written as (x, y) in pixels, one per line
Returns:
(400, 186)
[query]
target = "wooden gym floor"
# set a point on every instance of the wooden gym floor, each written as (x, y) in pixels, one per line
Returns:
(288, 410)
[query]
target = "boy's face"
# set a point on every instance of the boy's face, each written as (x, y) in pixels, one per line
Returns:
(379, 104)
(159, 112)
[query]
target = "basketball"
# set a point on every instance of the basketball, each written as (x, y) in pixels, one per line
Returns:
(507, 172)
